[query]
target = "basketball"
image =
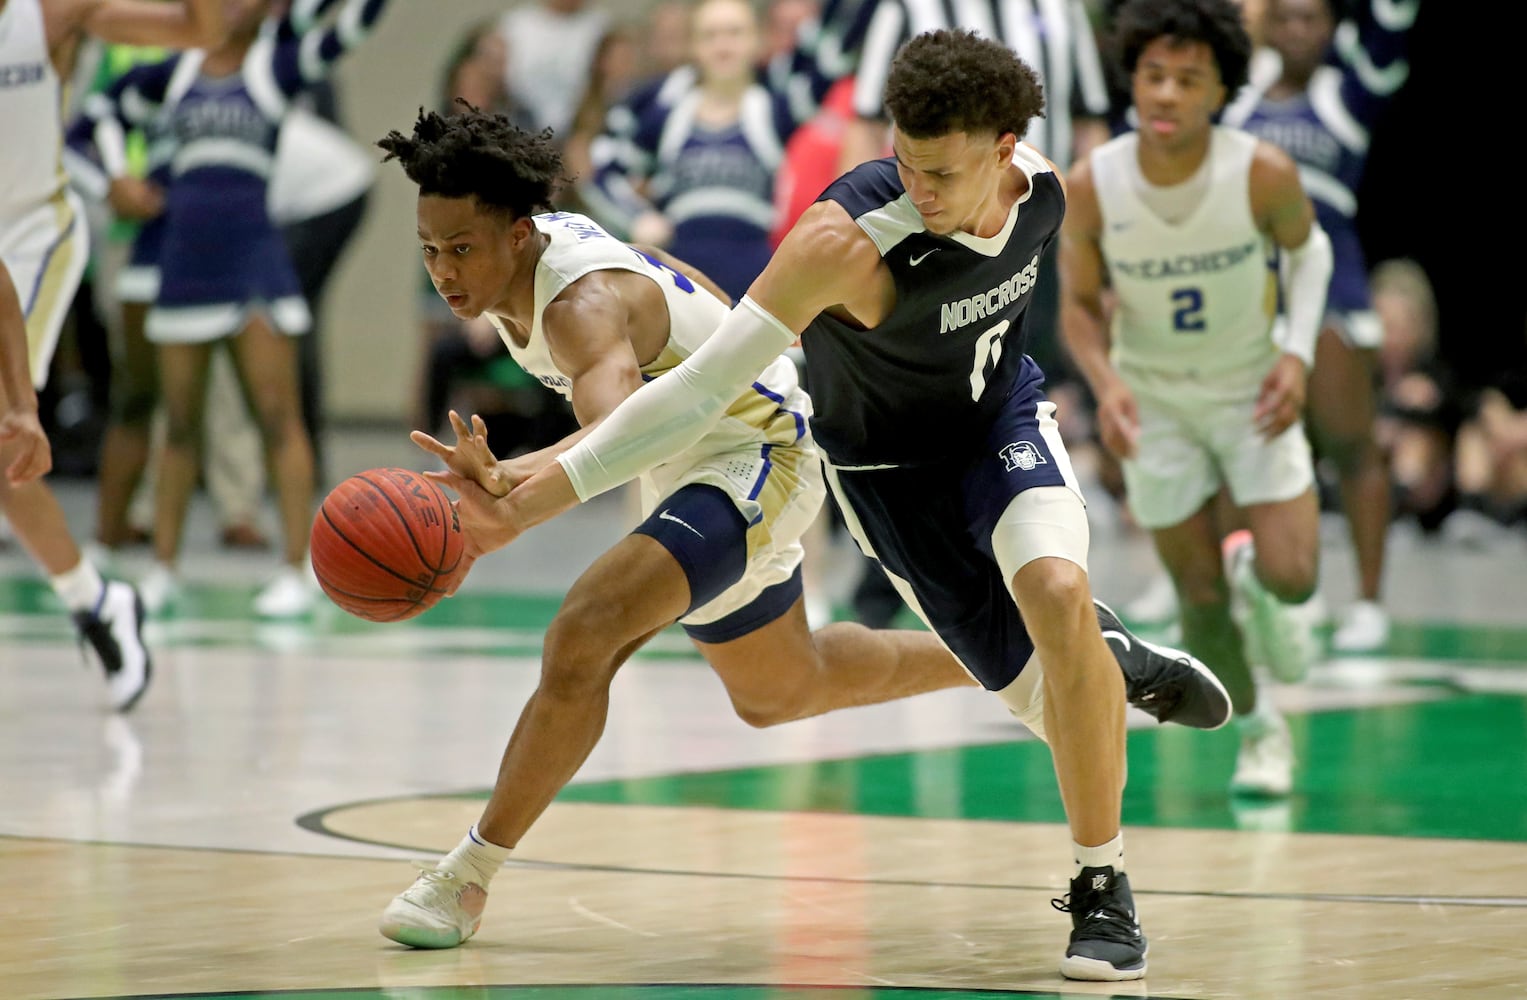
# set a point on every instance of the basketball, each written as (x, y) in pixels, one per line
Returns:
(386, 545)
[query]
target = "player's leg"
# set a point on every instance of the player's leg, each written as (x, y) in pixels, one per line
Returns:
(1342, 410)
(1041, 546)
(1190, 550)
(266, 362)
(1274, 577)
(46, 262)
(1040, 542)
(782, 671)
(629, 594)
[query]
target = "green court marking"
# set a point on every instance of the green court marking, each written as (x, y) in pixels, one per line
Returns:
(527, 615)
(635, 991)
(1452, 768)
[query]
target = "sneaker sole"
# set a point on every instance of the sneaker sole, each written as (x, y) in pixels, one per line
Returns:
(419, 937)
(1095, 970)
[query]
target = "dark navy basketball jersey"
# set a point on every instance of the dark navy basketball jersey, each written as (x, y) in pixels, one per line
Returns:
(926, 383)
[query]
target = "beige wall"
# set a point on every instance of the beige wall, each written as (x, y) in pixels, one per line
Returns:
(370, 325)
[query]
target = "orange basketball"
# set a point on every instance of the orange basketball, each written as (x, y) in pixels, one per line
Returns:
(386, 545)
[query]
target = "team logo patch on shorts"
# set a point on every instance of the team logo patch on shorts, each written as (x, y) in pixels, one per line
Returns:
(1022, 455)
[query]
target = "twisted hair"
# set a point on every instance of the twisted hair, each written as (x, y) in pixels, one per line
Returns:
(1216, 23)
(478, 155)
(956, 81)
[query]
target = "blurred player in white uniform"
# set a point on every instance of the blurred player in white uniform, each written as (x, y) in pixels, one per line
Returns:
(1180, 220)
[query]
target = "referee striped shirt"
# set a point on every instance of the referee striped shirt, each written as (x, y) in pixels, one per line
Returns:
(1053, 36)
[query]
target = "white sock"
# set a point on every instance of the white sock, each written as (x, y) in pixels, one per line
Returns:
(1109, 855)
(79, 588)
(474, 856)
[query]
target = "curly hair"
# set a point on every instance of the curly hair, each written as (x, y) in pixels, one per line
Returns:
(956, 81)
(478, 155)
(1216, 23)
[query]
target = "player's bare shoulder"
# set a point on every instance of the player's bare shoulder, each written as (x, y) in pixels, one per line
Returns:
(825, 260)
(1277, 194)
(826, 237)
(1084, 212)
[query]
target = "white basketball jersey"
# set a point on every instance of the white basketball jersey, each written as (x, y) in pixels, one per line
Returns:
(1195, 299)
(773, 411)
(31, 114)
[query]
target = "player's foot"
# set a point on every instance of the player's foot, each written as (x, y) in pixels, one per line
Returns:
(1167, 684)
(1106, 942)
(1279, 636)
(1264, 767)
(1157, 603)
(1363, 629)
(291, 592)
(111, 637)
(159, 588)
(440, 910)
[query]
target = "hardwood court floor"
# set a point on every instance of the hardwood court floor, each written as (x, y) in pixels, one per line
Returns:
(241, 831)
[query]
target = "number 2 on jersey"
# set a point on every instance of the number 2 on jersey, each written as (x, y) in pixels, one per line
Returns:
(1188, 314)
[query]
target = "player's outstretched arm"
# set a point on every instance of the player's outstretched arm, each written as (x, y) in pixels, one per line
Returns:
(190, 24)
(21, 435)
(824, 261)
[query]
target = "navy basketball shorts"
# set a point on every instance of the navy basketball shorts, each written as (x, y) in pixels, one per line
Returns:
(930, 525)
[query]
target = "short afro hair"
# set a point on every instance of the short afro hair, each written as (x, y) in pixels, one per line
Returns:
(1219, 24)
(956, 81)
(478, 155)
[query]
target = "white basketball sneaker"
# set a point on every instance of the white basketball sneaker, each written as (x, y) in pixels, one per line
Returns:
(440, 910)
(292, 592)
(1265, 764)
(1363, 629)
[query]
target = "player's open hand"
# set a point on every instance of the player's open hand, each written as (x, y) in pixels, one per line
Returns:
(471, 458)
(23, 439)
(1119, 420)
(1281, 401)
(488, 522)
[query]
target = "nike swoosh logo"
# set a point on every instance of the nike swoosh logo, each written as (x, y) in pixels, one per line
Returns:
(665, 516)
(1111, 634)
(914, 261)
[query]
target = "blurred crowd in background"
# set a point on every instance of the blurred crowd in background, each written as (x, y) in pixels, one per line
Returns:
(706, 128)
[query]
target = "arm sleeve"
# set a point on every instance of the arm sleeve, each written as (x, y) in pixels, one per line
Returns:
(1306, 272)
(676, 410)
